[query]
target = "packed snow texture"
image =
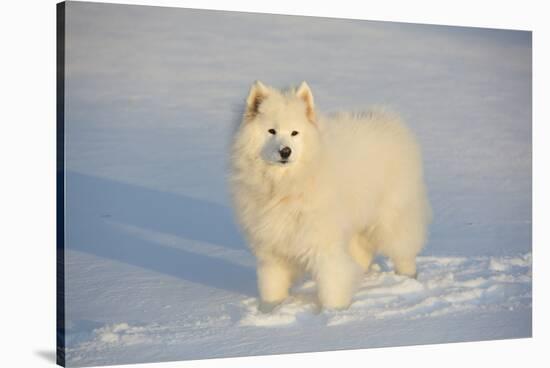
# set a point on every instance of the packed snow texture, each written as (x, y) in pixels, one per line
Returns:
(156, 268)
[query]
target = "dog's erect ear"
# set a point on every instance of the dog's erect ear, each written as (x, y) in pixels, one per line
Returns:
(258, 93)
(304, 92)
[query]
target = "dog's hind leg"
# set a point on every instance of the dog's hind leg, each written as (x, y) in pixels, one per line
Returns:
(361, 250)
(401, 240)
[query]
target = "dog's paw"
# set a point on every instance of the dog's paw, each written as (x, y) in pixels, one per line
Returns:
(268, 307)
(337, 308)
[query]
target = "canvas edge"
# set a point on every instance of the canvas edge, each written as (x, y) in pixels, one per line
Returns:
(60, 183)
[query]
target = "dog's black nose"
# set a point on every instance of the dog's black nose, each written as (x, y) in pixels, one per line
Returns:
(285, 152)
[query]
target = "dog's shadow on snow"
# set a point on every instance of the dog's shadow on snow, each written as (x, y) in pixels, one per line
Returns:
(92, 203)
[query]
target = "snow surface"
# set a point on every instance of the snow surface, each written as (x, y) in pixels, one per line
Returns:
(156, 268)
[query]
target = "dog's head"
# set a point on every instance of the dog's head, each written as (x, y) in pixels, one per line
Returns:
(281, 125)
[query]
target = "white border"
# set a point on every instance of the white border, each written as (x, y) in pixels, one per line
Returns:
(27, 202)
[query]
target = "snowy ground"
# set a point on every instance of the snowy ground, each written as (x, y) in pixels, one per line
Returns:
(156, 269)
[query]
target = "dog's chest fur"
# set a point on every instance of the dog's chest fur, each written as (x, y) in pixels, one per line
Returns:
(281, 226)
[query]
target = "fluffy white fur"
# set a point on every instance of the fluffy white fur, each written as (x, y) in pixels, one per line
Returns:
(352, 187)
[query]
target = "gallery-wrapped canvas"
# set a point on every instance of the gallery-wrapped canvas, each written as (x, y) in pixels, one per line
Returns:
(235, 184)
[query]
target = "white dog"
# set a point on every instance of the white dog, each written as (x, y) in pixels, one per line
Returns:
(325, 194)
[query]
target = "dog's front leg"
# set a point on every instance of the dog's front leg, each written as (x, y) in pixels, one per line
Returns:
(274, 280)
(337, 275)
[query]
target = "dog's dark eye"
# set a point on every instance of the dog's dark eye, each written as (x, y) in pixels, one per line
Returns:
(294, 133)
(272, 131)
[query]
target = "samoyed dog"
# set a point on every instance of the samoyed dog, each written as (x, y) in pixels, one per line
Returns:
(324, 194)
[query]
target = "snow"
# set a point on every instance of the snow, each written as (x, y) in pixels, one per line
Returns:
(156, 268)
(440, 290)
